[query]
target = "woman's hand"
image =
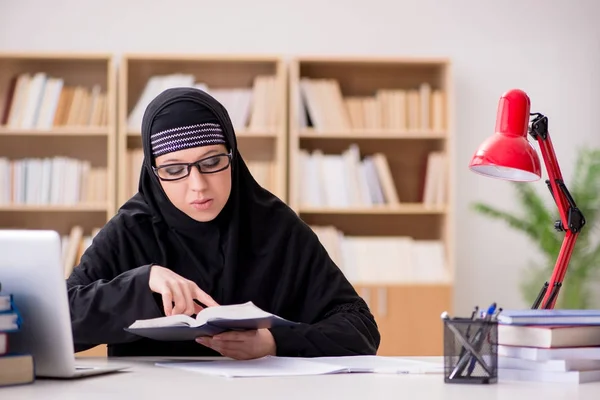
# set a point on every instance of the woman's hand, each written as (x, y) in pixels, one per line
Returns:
(244, 345)
(175, 289)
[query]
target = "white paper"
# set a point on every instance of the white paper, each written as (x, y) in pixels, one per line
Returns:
(265, 366)
(383, 365)
(296, 366)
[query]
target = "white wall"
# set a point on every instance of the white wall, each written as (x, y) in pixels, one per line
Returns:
(549, 48)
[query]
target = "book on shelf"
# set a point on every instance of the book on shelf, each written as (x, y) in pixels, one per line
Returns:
(74, 245)
(208, 322)
(435, 183)
(254, 108)
(351, 180)
(325, 108)
(42, 101)
(51, 181)
(385, 259)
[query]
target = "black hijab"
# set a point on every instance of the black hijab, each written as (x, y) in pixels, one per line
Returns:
(256, 250)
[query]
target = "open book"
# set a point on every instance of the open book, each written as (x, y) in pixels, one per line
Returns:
(208, 322)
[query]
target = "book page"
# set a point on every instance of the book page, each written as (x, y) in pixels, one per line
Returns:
(171, 320)
(229, 312)
(235, 312)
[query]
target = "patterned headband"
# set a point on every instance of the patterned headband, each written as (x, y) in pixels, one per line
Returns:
(186, 137)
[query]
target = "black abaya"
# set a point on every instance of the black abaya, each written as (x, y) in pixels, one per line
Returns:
(256, 250)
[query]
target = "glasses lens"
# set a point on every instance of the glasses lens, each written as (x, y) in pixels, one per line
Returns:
(214, 164)
(175, 171)
(207, 166)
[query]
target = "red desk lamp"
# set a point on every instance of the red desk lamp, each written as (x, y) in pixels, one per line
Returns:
(508, 155)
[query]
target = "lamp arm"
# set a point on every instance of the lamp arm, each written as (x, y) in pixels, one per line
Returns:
(571, 218)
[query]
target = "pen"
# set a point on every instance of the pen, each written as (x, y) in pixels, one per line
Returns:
(462, 363)
(483, 333)
(464, 352)
(468, 332)
(490, 311)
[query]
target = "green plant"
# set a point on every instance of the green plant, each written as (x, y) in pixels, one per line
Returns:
(537, 222)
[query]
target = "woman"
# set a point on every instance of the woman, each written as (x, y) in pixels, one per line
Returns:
(217, 237)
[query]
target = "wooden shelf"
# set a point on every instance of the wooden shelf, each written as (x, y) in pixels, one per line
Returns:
(63, 132)
(257, 146)
(371, 134)
(408, 316)
(400, 285)
(94, 129)
(67, 208)
(414, 209)
(405, 330)
(318, 128)
(57, 131)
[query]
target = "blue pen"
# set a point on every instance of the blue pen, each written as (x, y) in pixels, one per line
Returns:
(488, 316)
(490, 311)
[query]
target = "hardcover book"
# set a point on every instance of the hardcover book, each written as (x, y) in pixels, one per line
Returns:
(208, 322)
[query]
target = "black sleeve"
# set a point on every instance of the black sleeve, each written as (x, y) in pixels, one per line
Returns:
(341, 323)
(105, 296)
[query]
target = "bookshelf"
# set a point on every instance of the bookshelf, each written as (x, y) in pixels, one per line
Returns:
(58, 145)
(370, 156)
(252, 88)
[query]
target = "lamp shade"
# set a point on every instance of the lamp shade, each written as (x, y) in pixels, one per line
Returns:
(507, 154)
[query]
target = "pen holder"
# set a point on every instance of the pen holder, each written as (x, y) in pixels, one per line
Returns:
(470, 351)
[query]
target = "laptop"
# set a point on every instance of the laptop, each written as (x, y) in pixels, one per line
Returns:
(31, 269)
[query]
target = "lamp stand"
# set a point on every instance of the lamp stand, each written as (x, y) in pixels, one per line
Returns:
(571, 218)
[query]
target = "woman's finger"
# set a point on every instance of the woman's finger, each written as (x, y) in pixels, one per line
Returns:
(167, 299)
(235, 336)
(236, 355)
(225, 347)
(202, 296)
(178, 298)
(197, 307)
(187, 297)
(235, 350)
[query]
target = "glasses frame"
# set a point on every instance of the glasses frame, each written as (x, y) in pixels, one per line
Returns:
(194, 164)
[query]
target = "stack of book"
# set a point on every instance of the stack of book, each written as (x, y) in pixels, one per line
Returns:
(357, 179)
(38, 100)
(15, 368)
(549, 345)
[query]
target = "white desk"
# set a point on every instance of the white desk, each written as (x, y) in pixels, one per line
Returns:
(145, 381)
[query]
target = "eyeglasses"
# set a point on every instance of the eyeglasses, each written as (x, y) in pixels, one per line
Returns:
(208, 165)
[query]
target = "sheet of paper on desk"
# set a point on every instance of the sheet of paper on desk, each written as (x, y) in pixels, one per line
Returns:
(265, 366)
(384, 365)
(295, 366)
